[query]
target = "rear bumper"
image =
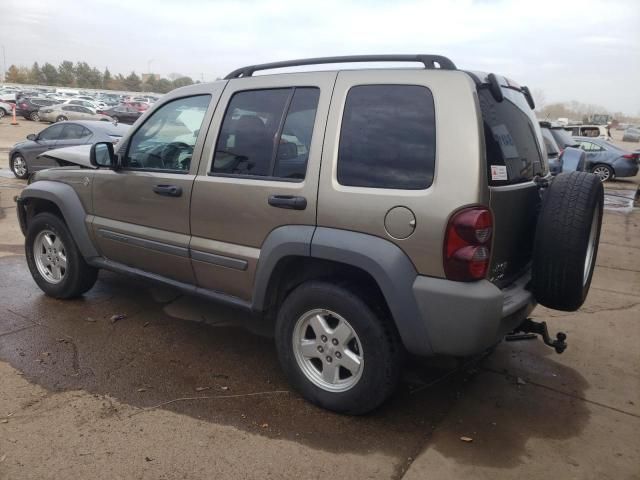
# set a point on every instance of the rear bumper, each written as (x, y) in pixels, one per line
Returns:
(467, 318)
(625, 168)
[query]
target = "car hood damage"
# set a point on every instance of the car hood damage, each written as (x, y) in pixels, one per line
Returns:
(78, 155)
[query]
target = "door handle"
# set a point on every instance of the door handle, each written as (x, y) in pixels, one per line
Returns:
(168, 190)
(288, 201)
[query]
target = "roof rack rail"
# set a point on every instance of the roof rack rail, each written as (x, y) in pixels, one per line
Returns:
(429, 61)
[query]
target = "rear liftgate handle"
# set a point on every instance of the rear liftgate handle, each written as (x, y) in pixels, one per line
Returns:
(168, 190)
(290, 202)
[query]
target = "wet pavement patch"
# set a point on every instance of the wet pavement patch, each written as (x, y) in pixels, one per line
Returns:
(619, 200)
(148, 358)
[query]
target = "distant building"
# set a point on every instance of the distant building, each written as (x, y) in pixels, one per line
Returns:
(147, 76)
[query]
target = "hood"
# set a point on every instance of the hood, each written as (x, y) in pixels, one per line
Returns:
(78, 155)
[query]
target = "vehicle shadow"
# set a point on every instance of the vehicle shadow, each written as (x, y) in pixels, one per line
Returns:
(169, 347)
(521, 393)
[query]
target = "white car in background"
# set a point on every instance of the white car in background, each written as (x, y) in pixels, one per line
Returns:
(64, 111)
(82, 103)
(5, 109)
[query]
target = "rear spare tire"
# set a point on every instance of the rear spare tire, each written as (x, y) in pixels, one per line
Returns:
(566, 241)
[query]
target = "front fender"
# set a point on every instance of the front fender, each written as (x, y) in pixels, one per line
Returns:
(68, 202)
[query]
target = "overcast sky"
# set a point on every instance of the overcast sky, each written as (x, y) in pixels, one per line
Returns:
(585, 50)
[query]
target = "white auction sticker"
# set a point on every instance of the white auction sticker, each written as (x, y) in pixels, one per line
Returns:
(499, 172)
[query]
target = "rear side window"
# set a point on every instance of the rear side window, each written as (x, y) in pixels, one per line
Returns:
(267, 133)
(549, 142)
(563, 138)
(74, 131)
(388, 137)
(512, 138)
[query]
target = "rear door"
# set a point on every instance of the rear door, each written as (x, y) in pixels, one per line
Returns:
(73, 134)
(259, 172)
(515, 156)
(46, 140)
(594, 152)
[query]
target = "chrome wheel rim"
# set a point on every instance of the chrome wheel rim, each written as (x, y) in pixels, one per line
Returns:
(591, 246)
(328, 350)
(50, 256)
(603, 173)
(19, 166)
(35, 117)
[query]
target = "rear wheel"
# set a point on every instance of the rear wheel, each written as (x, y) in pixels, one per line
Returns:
(19, 166)
(566, 242)
(61, 118)
(336, 350)
(35, 116)
(604, 172)
(55, 262)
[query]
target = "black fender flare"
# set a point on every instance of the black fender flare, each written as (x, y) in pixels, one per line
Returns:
(68, 202)
(384, 261)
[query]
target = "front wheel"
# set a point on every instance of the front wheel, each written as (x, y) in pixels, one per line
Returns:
(61, 118)
(19, 166)
(2, 113)
(604, 172)
(336, 350)
(55, 262)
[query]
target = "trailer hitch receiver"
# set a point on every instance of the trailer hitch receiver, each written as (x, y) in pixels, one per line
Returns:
(530, 328)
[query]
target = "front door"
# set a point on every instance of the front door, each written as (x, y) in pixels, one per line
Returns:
(259, 171)
(45, 140)
(142, 209)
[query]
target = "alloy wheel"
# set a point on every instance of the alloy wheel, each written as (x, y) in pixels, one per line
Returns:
(19, 165)
(50, 256)
(604, 173)
(328, 350)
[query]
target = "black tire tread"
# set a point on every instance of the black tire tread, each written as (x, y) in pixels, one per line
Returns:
(80, 276)
(561, 240)
(370, 392)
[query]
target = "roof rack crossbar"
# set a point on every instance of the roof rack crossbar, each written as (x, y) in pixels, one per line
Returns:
(429, 62)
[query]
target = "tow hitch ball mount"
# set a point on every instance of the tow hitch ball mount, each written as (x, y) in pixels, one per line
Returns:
(530, 328)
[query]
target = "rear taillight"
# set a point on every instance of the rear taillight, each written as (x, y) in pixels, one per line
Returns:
(467, 244)
(631, 156)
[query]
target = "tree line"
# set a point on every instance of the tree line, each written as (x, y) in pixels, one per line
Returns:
(82, 75)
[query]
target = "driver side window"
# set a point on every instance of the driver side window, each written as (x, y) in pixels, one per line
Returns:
(165, 141)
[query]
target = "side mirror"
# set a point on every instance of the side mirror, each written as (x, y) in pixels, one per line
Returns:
(287, 151)
(102, 155)
(32, 136)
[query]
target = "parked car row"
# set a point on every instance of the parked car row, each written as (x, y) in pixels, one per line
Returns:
(29, 104)
(587, 148)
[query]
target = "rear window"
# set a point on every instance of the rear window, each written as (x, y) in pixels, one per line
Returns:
(512, 138)
(563, 138)
(549, 142)
(388, 137)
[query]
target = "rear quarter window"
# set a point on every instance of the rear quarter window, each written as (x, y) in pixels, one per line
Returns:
(513, 139)
(387, 138)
